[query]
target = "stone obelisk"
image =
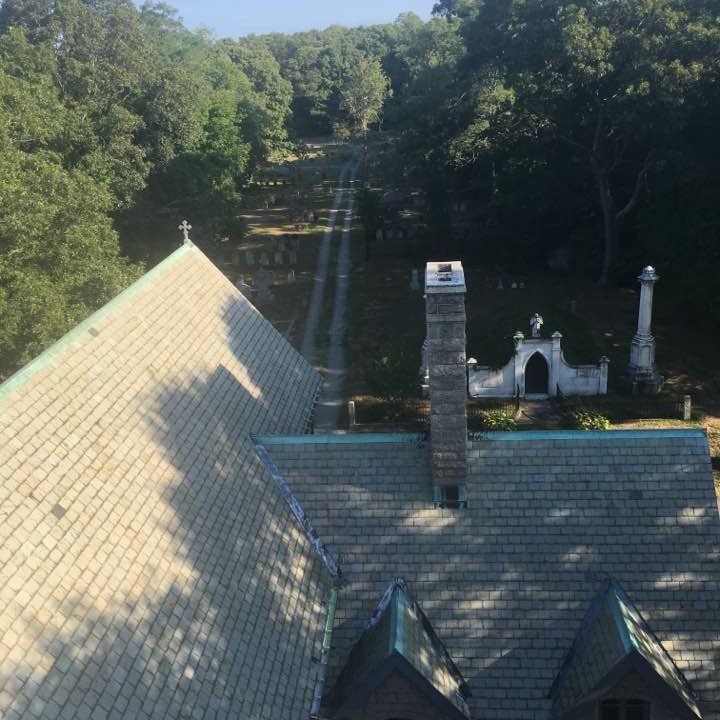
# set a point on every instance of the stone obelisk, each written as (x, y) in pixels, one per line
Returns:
(641, 373)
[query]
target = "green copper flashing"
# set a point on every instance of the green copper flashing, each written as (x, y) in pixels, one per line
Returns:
(398, 640)
(45, 358)
(628, 642)
(341, 439)
(589, 434)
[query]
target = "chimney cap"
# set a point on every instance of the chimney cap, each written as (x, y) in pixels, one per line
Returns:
(444, 277)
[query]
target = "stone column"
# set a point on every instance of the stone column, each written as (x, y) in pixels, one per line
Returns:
(445, 315)
(641, 371)
(603, 379)
(519, 383)
(647, 280)
(555, 364)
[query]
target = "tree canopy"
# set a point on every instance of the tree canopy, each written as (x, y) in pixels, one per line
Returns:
(573, 129)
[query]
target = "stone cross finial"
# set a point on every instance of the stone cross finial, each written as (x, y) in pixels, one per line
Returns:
(185, 226)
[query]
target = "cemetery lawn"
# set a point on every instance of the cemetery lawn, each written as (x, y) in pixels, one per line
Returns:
(386, 327)
(307, 184)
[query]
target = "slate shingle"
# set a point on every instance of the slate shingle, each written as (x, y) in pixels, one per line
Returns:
(506, 582)
(148, 566)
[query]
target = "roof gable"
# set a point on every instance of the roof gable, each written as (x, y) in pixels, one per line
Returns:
(144, 548)
(399, 638)
(614, 640)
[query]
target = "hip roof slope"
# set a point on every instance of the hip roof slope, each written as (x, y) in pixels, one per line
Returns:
(507, 581)
(144, 551)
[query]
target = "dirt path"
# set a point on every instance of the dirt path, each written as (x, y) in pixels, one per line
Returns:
(321, 273)
(329, 407)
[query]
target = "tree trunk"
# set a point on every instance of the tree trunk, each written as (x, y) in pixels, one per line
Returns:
(611, 224)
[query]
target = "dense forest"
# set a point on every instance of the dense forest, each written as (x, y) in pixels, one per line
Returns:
(582, 137)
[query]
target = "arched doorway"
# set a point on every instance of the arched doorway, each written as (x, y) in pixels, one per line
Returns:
(536, 375)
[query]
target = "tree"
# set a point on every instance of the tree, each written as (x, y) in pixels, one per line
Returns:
(272, 94)
(611, 83)
(59, 255)
(364, 91)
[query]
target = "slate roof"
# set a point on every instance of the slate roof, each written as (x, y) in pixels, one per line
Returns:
(613, 640)
(507, 582)
(399, 638)
(149, 566)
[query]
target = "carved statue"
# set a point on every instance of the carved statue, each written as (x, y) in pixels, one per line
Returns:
(536, 323)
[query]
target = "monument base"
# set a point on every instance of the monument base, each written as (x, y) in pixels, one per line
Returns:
(642, 381)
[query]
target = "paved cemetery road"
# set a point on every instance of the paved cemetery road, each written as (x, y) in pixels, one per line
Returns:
(321, 273)
(329, 407)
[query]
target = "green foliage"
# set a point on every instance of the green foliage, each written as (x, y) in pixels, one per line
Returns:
(495, 420)
(113, 115)
(586, 419)
(393, 377)
(363, 92)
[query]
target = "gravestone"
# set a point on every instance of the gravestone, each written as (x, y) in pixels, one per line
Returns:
(414, 279)
(378, 235)
(247, 290)
(500, 285)
(264, 259)
(291, 276)
(263, 280)
(249, 257)
(514, 286)
(278, 258)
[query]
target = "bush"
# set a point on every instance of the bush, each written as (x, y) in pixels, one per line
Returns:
(497, 420)
(393, 377)
(584, 419)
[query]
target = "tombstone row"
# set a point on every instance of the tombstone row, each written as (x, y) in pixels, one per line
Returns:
(278, 257)
(382, 234)
(261, 283)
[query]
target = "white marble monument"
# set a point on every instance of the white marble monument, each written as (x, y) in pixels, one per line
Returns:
(538, 369)
(641, 373)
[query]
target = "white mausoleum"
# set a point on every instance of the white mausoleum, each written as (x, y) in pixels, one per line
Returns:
(537, 369)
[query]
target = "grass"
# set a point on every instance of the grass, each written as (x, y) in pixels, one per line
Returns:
(386, 318)
(310, 184)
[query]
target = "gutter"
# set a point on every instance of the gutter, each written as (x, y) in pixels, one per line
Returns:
(324, 655)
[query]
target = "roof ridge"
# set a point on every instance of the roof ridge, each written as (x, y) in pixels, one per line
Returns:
(19, 377)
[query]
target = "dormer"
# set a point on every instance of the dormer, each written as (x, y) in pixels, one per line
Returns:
(399, 668)
(617, 669)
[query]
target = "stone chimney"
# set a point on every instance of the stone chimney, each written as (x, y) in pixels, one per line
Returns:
(445, 314)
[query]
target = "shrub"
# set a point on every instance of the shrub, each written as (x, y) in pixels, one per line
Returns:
(500, 420)
(584, 419)
(393, 377)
